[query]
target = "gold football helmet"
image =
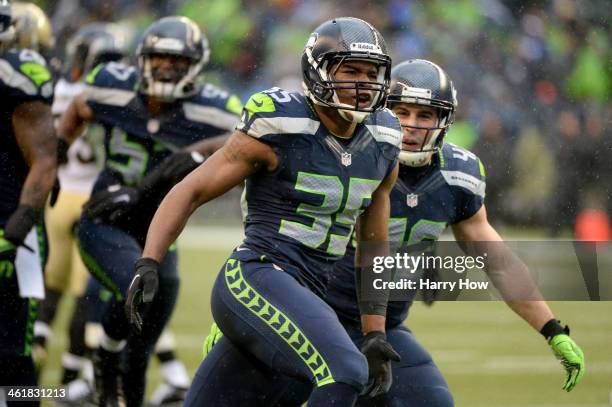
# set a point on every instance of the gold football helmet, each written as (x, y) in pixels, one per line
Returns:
(32, 27)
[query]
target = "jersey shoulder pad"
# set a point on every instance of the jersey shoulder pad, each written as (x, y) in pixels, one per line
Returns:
(213, 106)
(112, 84)
(276, 112)
(113, 75)
(385, 127)
(462, 168)
(24, 76)
(386, 131)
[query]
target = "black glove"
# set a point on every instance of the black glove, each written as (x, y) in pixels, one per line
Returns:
(62, 151)
(379, 354)
(141, 292)
(170, 171)
(54, 192)
(19, 225)
(112, 204)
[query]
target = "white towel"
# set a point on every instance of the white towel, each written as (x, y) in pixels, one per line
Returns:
(29, 270)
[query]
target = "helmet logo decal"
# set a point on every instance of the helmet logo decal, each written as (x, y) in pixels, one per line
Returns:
(420, 93)
(168, 44)
(364, 46)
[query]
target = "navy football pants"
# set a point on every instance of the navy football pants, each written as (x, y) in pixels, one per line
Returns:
(278, 324)
(110, 253)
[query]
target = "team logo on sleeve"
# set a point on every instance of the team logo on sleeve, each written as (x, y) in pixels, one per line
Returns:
(412, 200)
(346, 159)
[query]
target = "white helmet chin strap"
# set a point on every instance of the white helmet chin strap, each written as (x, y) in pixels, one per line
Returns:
(353, 115)
(420, 158)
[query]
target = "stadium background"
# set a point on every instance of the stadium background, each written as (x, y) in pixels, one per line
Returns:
(534, 82)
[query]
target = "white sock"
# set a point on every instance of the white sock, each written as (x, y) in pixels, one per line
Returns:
(174, 373)
(110, 344)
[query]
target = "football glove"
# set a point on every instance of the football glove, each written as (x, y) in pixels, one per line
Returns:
(379, 354)
(141, 291)
(566, 350)
(212, 338)
(112, 204)
(178, 165)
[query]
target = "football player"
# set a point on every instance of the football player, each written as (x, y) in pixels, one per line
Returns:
(314, 164)
(27, 174)
(439, 185)
(159, 121)
(79, 166)
(430, 193)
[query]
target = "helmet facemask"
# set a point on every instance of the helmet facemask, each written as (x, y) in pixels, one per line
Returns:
(445, 114)
(167, 86)
(323, 87)
(178, 37)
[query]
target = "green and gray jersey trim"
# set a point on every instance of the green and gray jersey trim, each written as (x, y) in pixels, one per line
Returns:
(109, 96)
(210, 115)
(384, 134)
(18, 80)
(263, 126)
(469, 182)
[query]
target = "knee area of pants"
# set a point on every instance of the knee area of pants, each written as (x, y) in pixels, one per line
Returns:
(353, 371)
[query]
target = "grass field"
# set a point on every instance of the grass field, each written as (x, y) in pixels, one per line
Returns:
(489, 356)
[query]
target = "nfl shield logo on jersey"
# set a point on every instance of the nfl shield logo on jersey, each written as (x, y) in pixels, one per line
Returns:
(412, 200)
(346, 159)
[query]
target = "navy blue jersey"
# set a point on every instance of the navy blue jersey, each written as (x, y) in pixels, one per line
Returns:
(302, 214)
(135, 140)
(423, 202)
(24, 77)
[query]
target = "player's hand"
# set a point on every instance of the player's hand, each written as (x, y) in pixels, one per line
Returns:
(379, 354)
(212, 338)
(179, 164)
(141, 291)
(7, 257)
(55, 191)
(571, 357)
(112, 204)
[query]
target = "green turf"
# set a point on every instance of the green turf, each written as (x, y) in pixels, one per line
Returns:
(489, 356)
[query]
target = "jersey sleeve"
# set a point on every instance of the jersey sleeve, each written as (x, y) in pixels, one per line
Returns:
(214, 107)
(465, 172)
(25, 77)
(110, 87)
(273, 115)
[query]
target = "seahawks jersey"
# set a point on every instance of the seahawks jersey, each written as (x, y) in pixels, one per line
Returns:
(301, 215)
(135, 140)
(24, 77)
(423, 202)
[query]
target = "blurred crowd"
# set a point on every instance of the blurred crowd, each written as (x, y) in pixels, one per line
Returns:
(534, 79)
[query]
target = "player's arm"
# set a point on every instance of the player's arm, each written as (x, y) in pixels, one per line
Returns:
(373, 230)
(372, 241)
(209, 146)
(511, 276)
(240, 157)
(33, 128)
(233, 163)
(478, 229)
(73, 120)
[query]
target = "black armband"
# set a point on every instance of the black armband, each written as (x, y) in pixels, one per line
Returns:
(373, 306)
(62, 151)
(20, 223)
(553, 328)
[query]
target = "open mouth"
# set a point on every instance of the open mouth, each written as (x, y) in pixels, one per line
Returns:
(362, 100)
(411, 144)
